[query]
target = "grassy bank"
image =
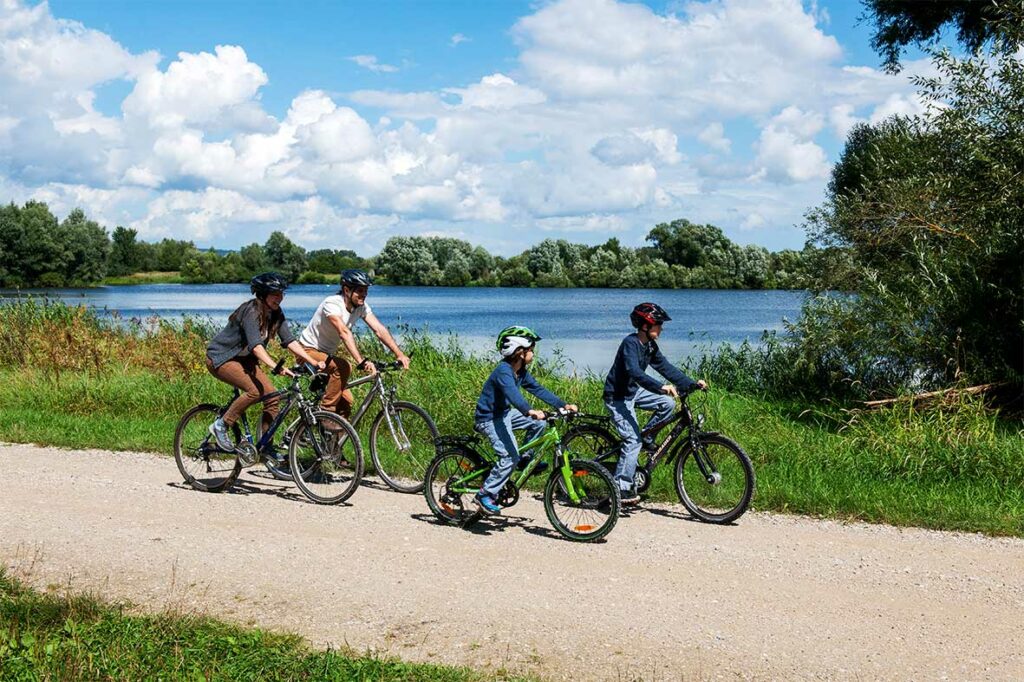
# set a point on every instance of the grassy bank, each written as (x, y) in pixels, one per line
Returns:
(80, 637)
(72, 380)
(171, 277)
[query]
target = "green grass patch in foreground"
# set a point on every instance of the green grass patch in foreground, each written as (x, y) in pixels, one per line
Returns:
(80, 637)
(957, 469)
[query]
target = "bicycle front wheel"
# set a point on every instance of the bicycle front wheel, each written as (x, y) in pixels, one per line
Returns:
(326, 459)
(402, 452)
(451, 481)
(716, 481)
(595, 509)
(202, 464)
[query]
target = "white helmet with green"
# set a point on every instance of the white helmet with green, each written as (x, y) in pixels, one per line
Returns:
(512, 338)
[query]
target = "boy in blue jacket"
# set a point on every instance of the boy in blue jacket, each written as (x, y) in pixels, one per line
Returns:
(628, 387)
(494, 417)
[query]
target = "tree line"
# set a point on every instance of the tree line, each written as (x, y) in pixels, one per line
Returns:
(37, 250)
(681, 254)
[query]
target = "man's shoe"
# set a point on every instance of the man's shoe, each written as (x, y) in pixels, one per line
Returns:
(219, 431)
(487, 504)
(629, 496)
(276, 458)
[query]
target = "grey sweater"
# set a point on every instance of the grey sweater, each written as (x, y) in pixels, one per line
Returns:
(243, 335)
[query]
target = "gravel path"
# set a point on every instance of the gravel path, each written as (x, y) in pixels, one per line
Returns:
(664, 598)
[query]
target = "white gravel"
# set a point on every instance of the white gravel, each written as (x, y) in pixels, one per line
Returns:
(664, 598)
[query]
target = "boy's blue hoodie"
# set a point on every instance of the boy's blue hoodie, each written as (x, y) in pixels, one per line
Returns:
(630, 370)
(501, 391)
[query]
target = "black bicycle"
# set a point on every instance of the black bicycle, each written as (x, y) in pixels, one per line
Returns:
(324, 455)
(713, 475)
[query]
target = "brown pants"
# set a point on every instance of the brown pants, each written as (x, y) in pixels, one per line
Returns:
(337, 398)
(245, 374)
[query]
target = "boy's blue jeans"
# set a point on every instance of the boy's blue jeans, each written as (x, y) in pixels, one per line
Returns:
(624, 417)
(499, 432)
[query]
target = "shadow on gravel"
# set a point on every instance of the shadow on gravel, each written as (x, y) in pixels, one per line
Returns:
(244, 487)
(669, 514)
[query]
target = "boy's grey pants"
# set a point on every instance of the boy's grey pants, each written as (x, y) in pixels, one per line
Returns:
(623, 414)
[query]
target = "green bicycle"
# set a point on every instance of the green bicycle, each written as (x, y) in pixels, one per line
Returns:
(580, 497)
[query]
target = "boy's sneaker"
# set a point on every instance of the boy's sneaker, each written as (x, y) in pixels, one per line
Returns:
(219, 431)
(525, 462)
(487, 504)
(629, 496)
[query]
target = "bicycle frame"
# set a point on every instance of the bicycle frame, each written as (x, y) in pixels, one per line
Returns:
(291, 395)
(549, 441)
(386, 395)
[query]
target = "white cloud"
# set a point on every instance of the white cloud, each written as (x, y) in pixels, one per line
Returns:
(368, 61)
(457, 39)
(496, 92)
(714, 136)
(785, 152)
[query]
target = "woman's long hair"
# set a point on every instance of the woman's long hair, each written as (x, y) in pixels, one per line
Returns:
(269, 320)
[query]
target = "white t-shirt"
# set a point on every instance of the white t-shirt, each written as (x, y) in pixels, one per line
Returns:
(321, 334)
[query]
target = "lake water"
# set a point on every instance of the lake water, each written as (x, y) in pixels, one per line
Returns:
(586, 325)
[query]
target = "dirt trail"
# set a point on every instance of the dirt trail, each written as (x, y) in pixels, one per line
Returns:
(664, 598)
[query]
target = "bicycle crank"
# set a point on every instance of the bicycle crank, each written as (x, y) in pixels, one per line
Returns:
(247, 454)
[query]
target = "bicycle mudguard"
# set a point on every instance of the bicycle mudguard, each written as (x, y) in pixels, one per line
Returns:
(470, 441)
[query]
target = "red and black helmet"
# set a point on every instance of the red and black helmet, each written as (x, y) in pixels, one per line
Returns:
(648, 313)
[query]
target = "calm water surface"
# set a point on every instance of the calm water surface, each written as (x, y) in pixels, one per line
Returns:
(586, 325)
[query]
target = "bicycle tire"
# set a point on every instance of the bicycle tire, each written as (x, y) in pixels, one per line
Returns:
(595, 515)
(333, 474)
(406, 471)
(202, 464)
(598, 444)
(449, 507)
(722, 501)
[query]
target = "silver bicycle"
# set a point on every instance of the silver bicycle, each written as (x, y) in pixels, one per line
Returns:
(401, 435)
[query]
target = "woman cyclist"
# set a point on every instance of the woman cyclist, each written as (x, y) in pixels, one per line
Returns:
(234, 355)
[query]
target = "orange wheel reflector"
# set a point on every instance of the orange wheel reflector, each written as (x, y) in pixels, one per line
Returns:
(465, 465)
(447, 508)
(581, 473)
(583, 529)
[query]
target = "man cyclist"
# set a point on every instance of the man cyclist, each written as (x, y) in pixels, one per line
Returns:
(331, 328)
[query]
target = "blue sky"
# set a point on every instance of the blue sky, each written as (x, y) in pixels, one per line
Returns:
(503, 123)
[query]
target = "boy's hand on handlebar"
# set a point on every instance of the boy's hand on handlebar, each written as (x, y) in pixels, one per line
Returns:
(571, 408)
(536, 414)
(702, 385)
(669, 389)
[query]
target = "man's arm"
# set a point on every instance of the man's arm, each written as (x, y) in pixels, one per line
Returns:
(385, 337)
(349, 339)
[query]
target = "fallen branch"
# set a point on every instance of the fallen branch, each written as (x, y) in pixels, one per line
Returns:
(922, 397)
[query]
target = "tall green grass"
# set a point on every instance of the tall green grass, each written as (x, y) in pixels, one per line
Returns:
(68, 636)
(76, 380)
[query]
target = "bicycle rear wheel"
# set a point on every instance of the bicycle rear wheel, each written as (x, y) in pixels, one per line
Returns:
(326, 460)
(202, 464)
(401, 457)
(451, 481)
(595, 511)
(722, 491)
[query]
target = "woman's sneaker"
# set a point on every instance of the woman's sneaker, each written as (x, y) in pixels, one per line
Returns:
(487, 504)
(219, 431)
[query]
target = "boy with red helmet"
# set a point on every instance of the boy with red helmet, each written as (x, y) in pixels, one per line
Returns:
(628, 387)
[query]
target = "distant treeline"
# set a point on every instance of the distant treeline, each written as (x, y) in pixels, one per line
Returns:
(37, 250)
(681, 255)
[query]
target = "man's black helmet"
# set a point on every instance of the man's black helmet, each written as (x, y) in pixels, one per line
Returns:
(266, 283)
(648, 313)
(355, 278)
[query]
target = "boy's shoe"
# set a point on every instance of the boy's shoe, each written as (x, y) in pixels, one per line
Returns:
(219, 431)
(487, 504)
(525, 462)
(629, 496)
